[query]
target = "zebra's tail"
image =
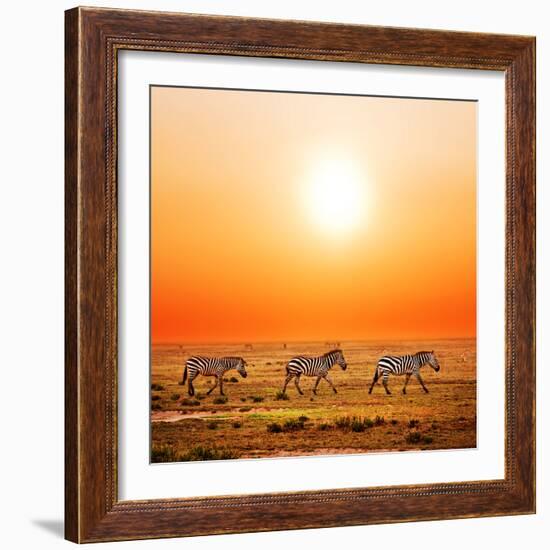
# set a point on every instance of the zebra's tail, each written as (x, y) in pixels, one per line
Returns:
(184, 375)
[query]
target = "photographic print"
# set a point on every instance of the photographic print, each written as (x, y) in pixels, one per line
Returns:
(313, 274)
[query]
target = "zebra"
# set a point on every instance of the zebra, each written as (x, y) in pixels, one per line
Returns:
(211, 366)
(313, 366)
(404, 364)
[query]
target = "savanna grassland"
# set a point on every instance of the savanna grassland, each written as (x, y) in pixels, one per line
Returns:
(256, 420)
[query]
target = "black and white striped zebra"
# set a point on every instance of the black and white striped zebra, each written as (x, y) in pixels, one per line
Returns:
(211, 366)
(404, 364)
(313, 366)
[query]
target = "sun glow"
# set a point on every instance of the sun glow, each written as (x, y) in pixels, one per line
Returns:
(335, 196)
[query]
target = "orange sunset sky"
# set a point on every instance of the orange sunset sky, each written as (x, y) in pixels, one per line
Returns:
(281, 217)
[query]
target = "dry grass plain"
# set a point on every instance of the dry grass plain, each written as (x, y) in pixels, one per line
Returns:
(255, 422)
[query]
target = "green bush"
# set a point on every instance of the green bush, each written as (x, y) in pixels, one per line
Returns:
(293, 424)
(212, 425)
(379, 420)
(393, 422)
(156, 407)
(165, 453)
(427, 439)
(236, 425)
(281, 396)
(324, 426)
(353, 423)
(190, 402)
(221, 400)
(155, 397)
(175, 396)
(274, 428)
(413, 423)
(257, 399)
(207, 453)
(413, 437)
(303, 418)
(157, 387)
(343, 422)
(357, 425)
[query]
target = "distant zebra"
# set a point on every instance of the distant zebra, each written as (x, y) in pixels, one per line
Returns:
(404, 364)
(313, 366)
(211, 366)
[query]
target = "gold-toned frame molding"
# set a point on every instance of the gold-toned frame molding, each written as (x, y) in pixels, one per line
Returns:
(93, 39)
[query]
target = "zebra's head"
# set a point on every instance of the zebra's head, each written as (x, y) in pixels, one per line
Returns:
(433, 362)
(338, 357)
(241, 367)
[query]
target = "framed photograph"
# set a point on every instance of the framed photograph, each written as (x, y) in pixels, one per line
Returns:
(300, 275)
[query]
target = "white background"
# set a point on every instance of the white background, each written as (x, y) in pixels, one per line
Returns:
(31, 305)
(140, 480)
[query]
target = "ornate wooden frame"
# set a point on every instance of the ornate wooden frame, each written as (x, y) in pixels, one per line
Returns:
(93, 38)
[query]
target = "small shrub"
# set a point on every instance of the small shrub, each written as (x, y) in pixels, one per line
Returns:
(393, 422)
(292, 425)
(274, 428)
(379, 420)
(243, 399)
(155, 397)
(413, 423)
(175, 396)
(190, 402)
(156, 407)
(353, 423)
(324, 426)
(343, 422)
(233, 380)
(281, 396)
(303, 418)
(245, 409)
(212, 425)
(157, 387)
(357, 426)
(435, 426)
(427, 439)
(165, 453)
(268, 363)
(257, 399)
(413, 437)
(221, 400)
(207, 453)
(236, 425)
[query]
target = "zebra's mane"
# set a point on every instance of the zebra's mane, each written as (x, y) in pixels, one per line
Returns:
(233, 358)
(332, 352)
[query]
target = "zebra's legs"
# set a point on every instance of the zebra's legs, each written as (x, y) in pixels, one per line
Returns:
(374, 380)
(316, 384)
(407, 378)
(330, 382)
(213, 387)
(385, 382)
(287, 380)
(190, 388)
(297, 384)
(419, 378)
(221, 385)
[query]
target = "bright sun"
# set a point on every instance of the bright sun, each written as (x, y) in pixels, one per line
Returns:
(335, 195)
